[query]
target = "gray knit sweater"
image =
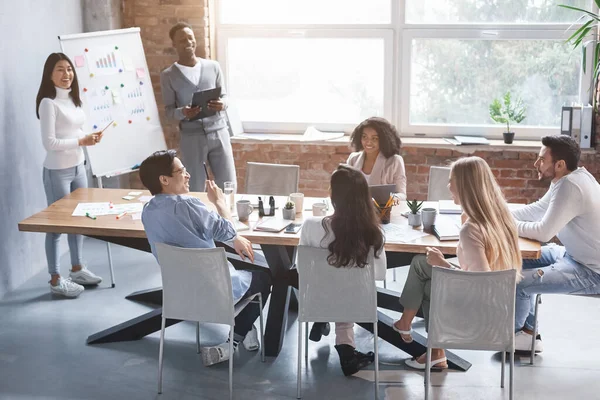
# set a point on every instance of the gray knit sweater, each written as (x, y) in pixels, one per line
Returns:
(177, 92)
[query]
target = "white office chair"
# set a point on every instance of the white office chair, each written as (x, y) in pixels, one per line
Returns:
(272, 179)
(538, 301)
(329, 294)
(438, 184)
(197, 287)
(472, 311)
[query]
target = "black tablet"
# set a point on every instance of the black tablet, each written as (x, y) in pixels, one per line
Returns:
(202, 98)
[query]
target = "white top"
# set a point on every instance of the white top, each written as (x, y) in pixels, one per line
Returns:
(570, 209)
(191, 73)
(61, 123)
(313, 234)
(367, 176)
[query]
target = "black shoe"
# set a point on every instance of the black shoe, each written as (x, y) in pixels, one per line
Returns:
(319, 329)
(352, 360)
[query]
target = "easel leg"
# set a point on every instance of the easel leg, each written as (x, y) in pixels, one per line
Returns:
(110, 264)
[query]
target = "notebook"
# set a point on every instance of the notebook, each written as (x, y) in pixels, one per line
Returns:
(240, 226)
(272, 224)
(448, 207)
(446, 229)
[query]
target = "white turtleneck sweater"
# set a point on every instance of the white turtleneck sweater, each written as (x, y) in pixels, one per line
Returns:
(61, 123)
(570, 209)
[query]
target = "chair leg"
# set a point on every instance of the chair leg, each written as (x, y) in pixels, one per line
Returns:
(198, 337)
(427, 371)
(299, 383)
(502, 368)
(376, 345)
(384, 284)
(262, 329)
(305, 342)
(394, 274)
(231, 363)
(511, 375)
(161, 348)
(538, 299)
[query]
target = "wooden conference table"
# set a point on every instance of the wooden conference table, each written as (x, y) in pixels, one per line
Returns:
(278, 248)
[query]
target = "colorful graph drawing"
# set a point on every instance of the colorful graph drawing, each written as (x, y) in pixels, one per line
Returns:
(104, 60)
(99, 102)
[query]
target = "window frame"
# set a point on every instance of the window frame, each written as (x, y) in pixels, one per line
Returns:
(397, 36)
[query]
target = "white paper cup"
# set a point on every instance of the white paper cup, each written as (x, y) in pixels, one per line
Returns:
(298, 199)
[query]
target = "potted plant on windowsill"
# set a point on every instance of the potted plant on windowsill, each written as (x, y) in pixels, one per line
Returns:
(414, 216)
(289, 211)
(506, 112)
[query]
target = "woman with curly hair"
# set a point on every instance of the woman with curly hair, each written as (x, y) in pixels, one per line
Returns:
(377, 154)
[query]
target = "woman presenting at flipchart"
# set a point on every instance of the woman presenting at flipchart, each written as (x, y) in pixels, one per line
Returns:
(58, 107)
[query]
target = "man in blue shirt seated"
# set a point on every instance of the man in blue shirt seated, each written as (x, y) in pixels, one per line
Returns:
(174, 218)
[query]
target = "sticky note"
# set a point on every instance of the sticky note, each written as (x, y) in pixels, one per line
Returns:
(116, 97)
(140, 72)
(79, 61)
(128, 197)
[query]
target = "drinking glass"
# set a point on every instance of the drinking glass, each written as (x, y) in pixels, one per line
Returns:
(229, 192)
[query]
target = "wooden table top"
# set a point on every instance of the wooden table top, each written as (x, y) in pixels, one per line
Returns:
(57, 219)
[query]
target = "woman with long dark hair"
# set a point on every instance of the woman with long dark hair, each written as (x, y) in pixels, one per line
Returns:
(58, 107)
(349, 235)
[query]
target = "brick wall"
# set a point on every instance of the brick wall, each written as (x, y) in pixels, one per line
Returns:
(513, 169)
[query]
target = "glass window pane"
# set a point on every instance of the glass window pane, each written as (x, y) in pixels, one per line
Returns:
(492, 11)
(454, 81)
(306, 80)
(305, 12)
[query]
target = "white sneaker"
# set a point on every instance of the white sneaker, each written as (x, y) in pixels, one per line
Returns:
(523, 342)
(215, 354)
(67, 288)
(251, 340)
(85, 277)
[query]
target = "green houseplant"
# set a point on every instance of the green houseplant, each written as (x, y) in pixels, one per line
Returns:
(508, 111)
(289, 211)
(414, 217)
(586, 36)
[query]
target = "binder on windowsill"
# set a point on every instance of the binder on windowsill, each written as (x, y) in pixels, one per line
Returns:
(565, 121)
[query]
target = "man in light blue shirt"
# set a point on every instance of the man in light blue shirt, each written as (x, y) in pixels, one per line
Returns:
(177, 219)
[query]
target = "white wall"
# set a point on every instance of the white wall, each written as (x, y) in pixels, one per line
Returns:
(28, 32)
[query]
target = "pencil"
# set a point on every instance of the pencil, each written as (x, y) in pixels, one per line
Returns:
(122, 215)
(205, 170)
(389, 201)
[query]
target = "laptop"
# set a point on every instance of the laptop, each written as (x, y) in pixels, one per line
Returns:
(381, 193)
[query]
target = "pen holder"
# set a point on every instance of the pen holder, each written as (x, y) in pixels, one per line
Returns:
(385, 214)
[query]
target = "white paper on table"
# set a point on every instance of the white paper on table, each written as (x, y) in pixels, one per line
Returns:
(145, 199)
(104, 208)
(134, 193)
(401, 233)
(136, 216)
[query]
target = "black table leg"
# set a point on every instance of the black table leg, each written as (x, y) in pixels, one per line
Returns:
(279, 259)
(134, 329)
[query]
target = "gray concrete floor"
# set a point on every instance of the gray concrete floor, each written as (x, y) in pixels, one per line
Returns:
(43, 354)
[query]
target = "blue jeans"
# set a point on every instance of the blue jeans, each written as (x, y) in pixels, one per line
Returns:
(58, 183)
(554, 272)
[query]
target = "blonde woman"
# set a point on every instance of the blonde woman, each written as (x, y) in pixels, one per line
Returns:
(488, 242)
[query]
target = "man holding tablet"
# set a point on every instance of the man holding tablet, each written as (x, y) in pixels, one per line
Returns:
(204, 135)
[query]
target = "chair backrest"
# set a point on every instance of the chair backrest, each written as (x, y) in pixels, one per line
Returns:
(272, 179)
(330, 294)
(472, 310)
(438, 184)
(196, 284)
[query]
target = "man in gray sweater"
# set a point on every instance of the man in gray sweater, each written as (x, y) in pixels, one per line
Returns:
(203, 139)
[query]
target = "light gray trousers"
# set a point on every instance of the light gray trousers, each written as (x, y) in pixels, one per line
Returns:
(417, 289)
(213, 148)
(58, 183)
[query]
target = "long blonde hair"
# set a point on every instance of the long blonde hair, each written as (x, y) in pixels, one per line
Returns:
(483, 202)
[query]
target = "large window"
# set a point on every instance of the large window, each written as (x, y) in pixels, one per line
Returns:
(430, 66)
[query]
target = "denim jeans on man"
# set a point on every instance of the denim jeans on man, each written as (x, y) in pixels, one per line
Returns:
(57, 184)
(554, 272)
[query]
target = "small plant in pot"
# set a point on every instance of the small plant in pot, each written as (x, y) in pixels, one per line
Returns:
(506, 112)
(289, 211)
(414, 217)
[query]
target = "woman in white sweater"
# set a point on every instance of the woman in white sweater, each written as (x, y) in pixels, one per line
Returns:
(58, 107)
(349, 235)
(488, 242)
